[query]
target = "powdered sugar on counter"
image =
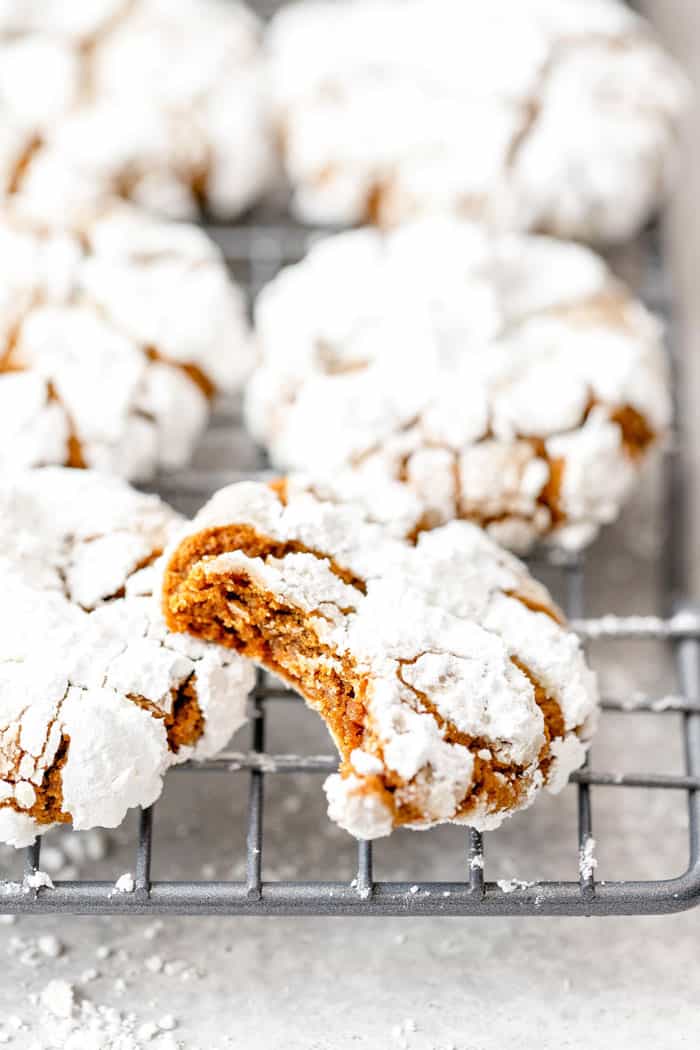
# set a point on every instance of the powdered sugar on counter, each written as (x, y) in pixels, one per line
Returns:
(58, 997)
(66, 1019)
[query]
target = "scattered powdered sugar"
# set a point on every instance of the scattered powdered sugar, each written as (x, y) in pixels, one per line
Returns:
(147, 1031)
(125, 883)
(402, 1032)
(66, 1020)
(58, 997)
(50, 946)
(511, 885)
(37, 880)
(668, 703)
(685, 623)
(153, 929)
(587, 862)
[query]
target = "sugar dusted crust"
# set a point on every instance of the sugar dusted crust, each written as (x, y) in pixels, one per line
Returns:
(440, 372)
(559, 116)
(115, 335)
(446, 677)
(97, 698)
(187, 127)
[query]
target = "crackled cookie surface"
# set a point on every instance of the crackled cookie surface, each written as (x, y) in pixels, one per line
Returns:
(162, 103)
(97, 697)
(448, 682)
(554, 115)
(509, 380)
(115, 334)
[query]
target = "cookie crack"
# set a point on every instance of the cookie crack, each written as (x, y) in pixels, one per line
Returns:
(500, 784)
(185, 722)
(47, 807)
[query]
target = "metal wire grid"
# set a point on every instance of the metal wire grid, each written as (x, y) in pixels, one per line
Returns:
(254, 252)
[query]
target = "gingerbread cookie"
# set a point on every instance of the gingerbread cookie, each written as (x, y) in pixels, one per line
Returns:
(559, 116)
(97, 697)
(116, 334)
(449, 684)
(508, 380)
(164, 104)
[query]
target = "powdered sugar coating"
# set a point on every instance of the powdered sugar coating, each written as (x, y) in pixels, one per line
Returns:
(115, 333)
(556, 115)
(162, 103)
(505, 379)
(80, 23)
(445, 636)
(91, 682)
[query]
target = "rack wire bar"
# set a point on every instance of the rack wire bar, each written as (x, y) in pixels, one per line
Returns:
(254, 837)
(143, 852)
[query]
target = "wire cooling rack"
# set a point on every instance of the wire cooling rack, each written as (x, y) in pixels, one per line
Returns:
(255, 251)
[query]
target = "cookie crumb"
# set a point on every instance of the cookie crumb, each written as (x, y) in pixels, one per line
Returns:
(125, 883)
(587, 862)
(511, 885)
(50, 946)
(154, 964)
(147, 1030)
(58, 997)
(37, 880)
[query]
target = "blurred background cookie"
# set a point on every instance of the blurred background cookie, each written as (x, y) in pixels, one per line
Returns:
(160, 103)
(554, 115)
(117, 333)
(510, 380)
